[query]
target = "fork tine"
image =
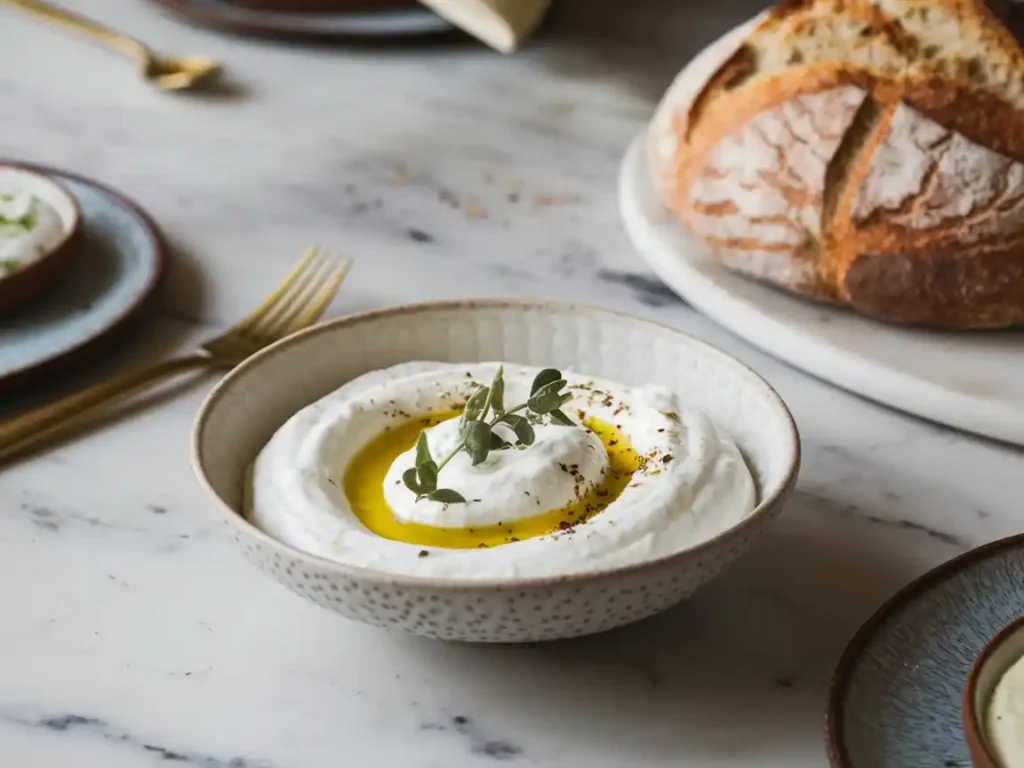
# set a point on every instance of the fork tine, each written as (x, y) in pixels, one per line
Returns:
(279, 292)
(276, 320)
(323, 300)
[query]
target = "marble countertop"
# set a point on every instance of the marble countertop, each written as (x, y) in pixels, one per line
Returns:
(133, 635)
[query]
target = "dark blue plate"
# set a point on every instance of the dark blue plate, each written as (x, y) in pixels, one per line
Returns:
(116, 269)
(895, 698)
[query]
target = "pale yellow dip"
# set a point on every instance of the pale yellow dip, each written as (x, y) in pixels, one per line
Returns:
(29, 229)
(1004, 721)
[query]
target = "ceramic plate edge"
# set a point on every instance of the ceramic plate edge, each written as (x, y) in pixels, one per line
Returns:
(835, 742)
(864, 377)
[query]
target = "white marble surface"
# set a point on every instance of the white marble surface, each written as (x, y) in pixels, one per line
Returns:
(133, 635)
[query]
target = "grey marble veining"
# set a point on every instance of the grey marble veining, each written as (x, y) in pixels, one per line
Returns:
(133, 635)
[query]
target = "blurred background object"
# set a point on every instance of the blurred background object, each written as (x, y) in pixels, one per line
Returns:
(311, 19)
(164, 73)
(501, 24)
(322, 6)
(1011, 13)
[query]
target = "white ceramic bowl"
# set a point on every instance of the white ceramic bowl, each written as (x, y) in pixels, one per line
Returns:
(256, 398)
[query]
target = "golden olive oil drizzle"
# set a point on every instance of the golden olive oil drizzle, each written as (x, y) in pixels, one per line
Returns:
(364, 488)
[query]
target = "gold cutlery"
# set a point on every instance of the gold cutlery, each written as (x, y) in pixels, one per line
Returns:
(164, 73)
(297, 303)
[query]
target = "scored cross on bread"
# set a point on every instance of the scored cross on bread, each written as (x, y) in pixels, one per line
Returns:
(867, 153)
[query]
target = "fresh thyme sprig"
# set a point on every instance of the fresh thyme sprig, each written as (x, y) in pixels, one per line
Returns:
(478, 436)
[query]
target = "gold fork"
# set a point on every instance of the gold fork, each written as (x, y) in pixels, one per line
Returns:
(167, 74)
(298, 302)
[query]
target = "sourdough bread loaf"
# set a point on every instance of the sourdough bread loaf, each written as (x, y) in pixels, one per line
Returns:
(866, 153)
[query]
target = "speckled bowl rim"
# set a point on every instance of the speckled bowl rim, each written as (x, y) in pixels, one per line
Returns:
(835, 737)
(86, 344)
(974, 731)
(765, 508)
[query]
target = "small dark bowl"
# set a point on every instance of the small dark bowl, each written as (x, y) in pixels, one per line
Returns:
(996, 657)
(321, 6)
(29, 282)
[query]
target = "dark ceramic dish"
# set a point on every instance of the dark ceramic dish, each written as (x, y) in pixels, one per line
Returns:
(325, 20)
(33, 279)
(994, 660)
(117, 268)
(896, 696)
(321, 6)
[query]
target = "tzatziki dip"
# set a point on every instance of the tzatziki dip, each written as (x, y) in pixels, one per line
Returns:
(29, 228)
(488, 470)
(1005, 717)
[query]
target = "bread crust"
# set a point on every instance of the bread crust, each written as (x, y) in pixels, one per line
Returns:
(963, 289)
(843, 150)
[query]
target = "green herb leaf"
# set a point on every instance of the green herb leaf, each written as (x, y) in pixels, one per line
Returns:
(9, 265)
(478, 441)
(558, 417)
(26, 222)
(475, 405)
(427, 475)
(498, 391)
(546, 399)
(422, 449)
(544, 378)
(478, 435)
(498, 443)
(409, 478)
(524, 432)
(446, 496)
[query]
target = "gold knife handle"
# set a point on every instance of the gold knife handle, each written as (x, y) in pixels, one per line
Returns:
(84, 26)
(22, 432)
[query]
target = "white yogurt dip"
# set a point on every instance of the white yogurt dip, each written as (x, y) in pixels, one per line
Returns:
(29, 229)
(1004, 722)
(691, 485)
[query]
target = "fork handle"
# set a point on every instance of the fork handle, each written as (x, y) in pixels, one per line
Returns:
(83, 26)
(22, 432)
